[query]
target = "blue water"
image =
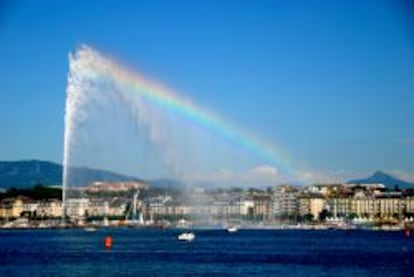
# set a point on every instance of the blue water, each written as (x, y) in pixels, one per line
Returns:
(247, 252)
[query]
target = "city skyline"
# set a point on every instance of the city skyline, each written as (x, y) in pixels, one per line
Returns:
(328, 83)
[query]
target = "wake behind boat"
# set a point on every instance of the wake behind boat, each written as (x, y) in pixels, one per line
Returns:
(186, 236)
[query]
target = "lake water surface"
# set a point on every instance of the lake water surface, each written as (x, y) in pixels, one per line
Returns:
(147, 252)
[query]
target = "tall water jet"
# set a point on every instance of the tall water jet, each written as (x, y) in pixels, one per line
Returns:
(116, 119)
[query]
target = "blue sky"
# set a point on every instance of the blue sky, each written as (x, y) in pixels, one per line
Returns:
(329, 82)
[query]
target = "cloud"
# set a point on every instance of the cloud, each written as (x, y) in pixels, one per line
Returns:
(405, 141)
(403, 175)
(267, 175)
(261, 175)
(265, 170)
(328, 176)
(311, 177)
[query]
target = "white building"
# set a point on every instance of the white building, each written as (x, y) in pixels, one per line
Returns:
(50, 208)
(285, 201)
(77, 207)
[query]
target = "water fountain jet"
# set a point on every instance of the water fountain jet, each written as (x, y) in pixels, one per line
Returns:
(117, 119)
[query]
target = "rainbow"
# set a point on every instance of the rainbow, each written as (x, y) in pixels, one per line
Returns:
(107, 69)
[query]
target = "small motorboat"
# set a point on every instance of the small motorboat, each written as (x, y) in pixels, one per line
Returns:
(186, 236)
(232, 229)
(90, 229)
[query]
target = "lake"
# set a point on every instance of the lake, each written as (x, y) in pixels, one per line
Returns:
(147, 252)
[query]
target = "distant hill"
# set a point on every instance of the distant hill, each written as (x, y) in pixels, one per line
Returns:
(22, 174)
(383, 178)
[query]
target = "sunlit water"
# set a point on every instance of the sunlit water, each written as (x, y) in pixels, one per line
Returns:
(247, 252)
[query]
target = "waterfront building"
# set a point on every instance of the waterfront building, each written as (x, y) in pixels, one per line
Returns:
(389, 205)
(117, 207)
(183, 209)
(284, 200)
(245, 206)
(311, 204)
(219, 209)
(29, 208)
(340, 207)
(409, 205)
(364, 207)
(98, 208)
(233, 207)
(154, 208)
(77, 207)
(157, 205)
(262, 205)
(363, 203)
(51, 208)
(167, 206)
(11, 208)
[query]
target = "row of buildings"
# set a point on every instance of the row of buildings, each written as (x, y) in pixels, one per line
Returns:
(349, 201)
(13, 208)
(284, 203)
(296, 204)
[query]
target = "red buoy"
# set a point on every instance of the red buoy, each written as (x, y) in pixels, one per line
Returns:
(108, 242)
(407, 232)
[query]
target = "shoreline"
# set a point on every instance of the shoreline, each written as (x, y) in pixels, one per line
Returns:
(93, 228)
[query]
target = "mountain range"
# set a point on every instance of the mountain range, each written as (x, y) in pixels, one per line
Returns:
(22, 174)
(380, 177)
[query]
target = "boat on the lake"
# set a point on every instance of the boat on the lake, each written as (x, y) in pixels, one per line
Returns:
(186, 236)
(90, 229)
(232, 229)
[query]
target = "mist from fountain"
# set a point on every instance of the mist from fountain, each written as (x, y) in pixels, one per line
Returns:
(118, 120)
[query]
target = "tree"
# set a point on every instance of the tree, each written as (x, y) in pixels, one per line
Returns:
(38, 192)
(308, 217)
(323, 215)
(352, 215)
(254, 190)
(235, 190)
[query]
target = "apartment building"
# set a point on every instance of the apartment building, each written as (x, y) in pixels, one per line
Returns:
(285, 201)
(311, 204)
